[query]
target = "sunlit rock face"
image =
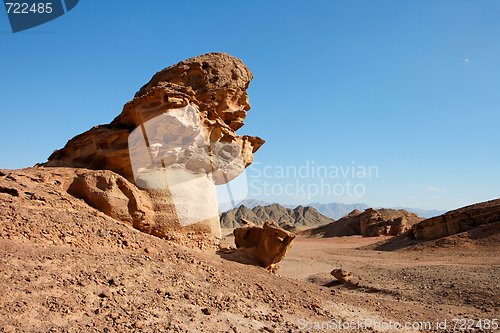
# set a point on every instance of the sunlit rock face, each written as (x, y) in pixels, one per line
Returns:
(458, 220)
(214, 83)
(176, 139)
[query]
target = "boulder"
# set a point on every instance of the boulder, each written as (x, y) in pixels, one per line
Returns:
(268, 243)
(344, 277)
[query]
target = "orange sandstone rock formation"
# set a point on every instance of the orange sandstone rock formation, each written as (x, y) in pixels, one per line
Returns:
(458, 220)
(268, 243)
(171, 144)
(215, 83)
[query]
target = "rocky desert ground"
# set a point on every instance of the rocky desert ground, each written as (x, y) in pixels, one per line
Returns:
(456, 278)
(86, 272)
(68, 267)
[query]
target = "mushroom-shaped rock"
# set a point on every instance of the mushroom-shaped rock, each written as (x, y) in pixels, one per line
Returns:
(175, 140)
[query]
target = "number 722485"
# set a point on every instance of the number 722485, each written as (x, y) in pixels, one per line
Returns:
(25, 8)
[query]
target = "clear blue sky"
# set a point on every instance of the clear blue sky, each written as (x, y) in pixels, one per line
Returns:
(412, 87)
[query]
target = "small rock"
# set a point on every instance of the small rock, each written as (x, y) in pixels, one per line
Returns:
(9, 329)
(138, 324)
(206, 311)
(342, 276)
(114, 282)
(114, 315)
(149, 250)
(104, 294)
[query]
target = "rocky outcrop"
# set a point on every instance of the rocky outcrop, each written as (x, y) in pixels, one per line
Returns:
(389, 222)
(286, 217)
(36, 195)
(215, 84)
(371, 222)
(175, 140)
(457, 221)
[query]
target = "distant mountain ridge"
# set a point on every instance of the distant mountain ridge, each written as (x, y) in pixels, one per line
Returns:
(285, 217)
(337, 210)
(250, 203)
(426, 213)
